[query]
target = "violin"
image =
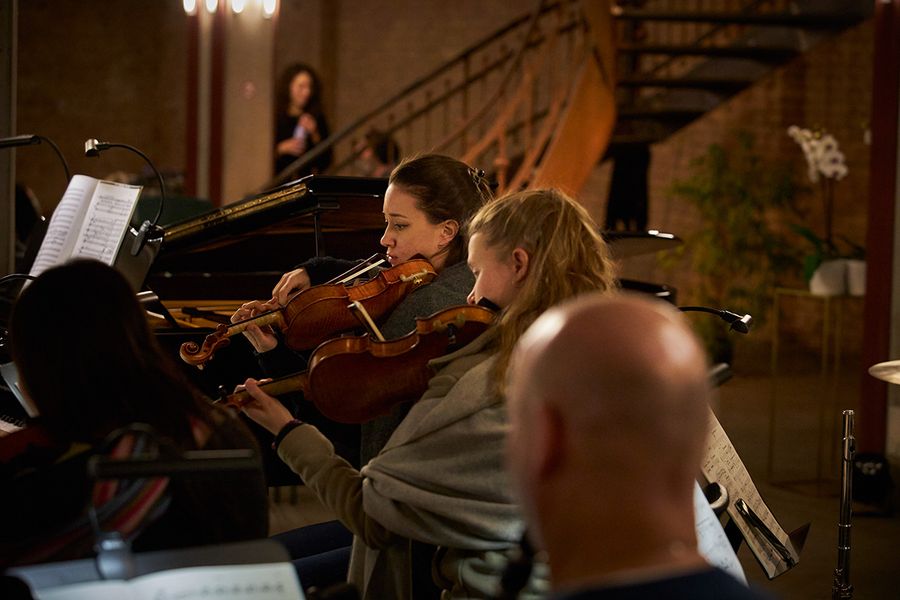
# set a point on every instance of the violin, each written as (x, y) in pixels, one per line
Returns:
(315, 314)
(354, 379)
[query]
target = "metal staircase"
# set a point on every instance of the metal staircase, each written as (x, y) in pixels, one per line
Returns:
(679, 59)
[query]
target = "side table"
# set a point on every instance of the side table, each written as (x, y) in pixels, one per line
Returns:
(830, 354)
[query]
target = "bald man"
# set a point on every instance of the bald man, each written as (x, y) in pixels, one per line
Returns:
(608, 408)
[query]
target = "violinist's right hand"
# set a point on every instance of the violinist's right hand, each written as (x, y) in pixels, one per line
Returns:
(289, 284)
(262, 338)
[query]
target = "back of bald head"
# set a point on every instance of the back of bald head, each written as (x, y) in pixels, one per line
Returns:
(628, 380)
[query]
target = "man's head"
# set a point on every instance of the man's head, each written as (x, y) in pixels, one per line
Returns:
(608, 405)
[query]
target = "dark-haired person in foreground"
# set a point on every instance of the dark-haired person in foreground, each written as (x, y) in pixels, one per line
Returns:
(608, 410)
(87, 360)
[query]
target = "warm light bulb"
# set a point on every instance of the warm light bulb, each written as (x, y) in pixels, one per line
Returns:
(190, 7)
(269, 7)
(237, 6)
(211, 6)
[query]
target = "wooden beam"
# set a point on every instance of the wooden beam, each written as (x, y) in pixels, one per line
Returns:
(872, 423)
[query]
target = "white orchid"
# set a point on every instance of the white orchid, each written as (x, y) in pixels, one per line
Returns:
(823, 157)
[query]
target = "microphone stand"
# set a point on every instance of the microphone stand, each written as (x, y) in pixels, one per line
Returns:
(148, 230)
(32, 139)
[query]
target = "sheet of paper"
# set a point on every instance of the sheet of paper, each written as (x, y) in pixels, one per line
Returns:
(723, 465)
(712, 542)
(225, 582)
(60, 237)
(106, 221)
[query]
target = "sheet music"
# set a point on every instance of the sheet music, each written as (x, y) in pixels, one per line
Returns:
(722, 464)
(59, 241)
(712, 543)
(90, 222)
(106, 221)
(277, 581)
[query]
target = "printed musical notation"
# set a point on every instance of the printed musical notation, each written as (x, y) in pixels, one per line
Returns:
(721, 464)
(712, 543)
(105, 223)
(277, 581)
(90, 221)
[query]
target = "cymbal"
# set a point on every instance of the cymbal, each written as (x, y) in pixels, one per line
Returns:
(623, 244)
(886, 371)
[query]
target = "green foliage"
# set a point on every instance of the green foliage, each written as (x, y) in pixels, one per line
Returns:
(739, 197)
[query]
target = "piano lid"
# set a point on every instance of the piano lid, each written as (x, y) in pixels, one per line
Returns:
(359, 200)
(219, 253)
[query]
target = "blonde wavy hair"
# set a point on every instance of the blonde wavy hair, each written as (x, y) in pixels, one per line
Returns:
(567, 257)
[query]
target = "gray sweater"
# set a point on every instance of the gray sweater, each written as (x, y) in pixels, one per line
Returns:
(439, 480)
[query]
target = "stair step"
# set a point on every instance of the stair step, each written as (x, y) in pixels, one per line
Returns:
(632, 139)
(774, 54)
(808, 20)
(663, 114)
(704, 83)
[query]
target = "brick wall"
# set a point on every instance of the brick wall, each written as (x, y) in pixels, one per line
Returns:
(110, 70)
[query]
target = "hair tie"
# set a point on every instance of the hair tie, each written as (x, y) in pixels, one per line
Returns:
(477, 175)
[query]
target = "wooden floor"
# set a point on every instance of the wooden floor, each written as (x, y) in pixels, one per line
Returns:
(799, 477)
(292, 507)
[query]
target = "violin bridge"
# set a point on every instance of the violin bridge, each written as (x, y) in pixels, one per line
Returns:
(367, 320)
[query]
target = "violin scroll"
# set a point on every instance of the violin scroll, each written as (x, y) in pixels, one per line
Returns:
(198, 355)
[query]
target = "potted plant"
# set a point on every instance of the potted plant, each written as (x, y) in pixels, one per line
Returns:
(826, 268)
(738, 250)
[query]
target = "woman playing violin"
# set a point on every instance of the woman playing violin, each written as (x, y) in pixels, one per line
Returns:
(428, 201)
(439, 483)
(89, 363)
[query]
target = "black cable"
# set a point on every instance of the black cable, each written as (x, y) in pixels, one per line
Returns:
(518, 570)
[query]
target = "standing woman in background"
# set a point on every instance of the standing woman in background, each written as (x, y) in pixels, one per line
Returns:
(299, 121)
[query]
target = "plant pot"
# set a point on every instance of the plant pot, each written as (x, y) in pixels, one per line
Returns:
(830, 279)
(856, 277)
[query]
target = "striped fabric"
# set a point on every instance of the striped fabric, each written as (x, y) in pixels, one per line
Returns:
(123, 506)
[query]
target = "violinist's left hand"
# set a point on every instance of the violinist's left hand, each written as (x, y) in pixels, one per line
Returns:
(264, 409)
(263, 338)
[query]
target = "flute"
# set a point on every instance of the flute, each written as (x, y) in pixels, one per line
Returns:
(841, 587)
